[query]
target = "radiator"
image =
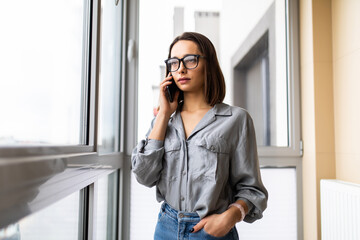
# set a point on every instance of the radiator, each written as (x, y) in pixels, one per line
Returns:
(340, 210)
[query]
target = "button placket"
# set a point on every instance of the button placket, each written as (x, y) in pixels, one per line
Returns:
(184, 179)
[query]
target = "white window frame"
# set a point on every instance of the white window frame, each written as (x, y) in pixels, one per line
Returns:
(288, 156)
(82, 165)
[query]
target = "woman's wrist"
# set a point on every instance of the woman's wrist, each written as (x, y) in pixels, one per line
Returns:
(159, 130)
(239, 209)
(232, 216)
(163, 115)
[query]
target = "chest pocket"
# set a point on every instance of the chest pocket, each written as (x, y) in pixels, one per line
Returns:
(211, 156)
(171, 161)
(170, 173)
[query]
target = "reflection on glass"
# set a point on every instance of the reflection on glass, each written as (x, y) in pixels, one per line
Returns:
(106, 207)
(40, 71)
(11, 232)
(108, 139)
(259, 74)
(57, 222)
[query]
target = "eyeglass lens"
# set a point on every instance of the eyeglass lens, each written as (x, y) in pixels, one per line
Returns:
(190, 62)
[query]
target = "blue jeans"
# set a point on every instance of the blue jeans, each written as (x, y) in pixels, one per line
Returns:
(176, 225)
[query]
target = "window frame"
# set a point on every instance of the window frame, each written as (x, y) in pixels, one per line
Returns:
(77, 167)
(295, 146)
(288, 156)
(265, 29)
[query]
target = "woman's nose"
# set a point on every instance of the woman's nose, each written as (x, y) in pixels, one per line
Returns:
(182, 68)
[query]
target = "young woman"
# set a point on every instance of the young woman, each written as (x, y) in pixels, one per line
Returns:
(200, 153)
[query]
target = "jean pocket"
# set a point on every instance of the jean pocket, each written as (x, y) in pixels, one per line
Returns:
(228, 236)
(161, 215)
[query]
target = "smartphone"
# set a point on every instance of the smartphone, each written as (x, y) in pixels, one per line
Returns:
(171, 90)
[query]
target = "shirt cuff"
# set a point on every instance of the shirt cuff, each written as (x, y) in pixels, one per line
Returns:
(248, 204)
(153, 144)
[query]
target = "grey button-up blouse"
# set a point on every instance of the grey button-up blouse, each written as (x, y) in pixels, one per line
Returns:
(215, 166)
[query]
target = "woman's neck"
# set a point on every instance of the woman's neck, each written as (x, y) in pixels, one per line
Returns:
(194, 102)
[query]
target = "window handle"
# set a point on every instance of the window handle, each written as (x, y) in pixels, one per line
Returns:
(131, 50)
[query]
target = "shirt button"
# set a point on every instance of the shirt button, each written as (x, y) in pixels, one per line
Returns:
(182, 198)
(184, 173)
(212, 148)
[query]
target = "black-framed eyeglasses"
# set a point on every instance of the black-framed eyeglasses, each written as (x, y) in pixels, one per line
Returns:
(190, 61)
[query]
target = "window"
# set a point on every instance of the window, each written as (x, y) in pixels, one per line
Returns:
(62, 104)
(281, 207)
(110, 73)
(57, 221)
(41, 69)
(256, 43)
(106, 195)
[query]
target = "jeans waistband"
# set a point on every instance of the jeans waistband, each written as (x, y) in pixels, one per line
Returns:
(180, 215)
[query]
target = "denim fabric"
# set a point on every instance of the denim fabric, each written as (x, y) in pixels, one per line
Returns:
(176, 225)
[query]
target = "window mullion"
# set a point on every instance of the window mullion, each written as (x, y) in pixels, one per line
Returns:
(85, 74)
(93, 99)
(92, 206)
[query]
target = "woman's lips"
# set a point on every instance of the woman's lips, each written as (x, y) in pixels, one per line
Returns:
(183, 80)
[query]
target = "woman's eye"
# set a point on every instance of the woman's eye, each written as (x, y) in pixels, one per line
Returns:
(190, 60)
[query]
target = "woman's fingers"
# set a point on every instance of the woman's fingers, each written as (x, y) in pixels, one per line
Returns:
(167, 79)
(163, 88)
(199, 226)
(164, 103)
(165, 83)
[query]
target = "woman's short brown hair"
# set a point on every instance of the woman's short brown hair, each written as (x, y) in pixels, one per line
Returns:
(214, 79)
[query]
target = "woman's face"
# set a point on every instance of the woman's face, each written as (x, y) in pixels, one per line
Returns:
(188, 80)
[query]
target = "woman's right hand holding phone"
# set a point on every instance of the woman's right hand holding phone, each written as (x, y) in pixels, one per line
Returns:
(166, 109)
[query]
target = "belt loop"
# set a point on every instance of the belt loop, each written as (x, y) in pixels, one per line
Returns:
(163, 206)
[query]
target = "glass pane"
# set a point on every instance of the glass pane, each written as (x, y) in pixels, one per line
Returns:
(279, 220)
(258, 63)
(110, 69)
(57, 222)
(106, 207)
(144, 210)
(40, 71)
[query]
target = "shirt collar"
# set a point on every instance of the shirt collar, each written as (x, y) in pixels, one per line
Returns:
(219, 109)
(222, 109)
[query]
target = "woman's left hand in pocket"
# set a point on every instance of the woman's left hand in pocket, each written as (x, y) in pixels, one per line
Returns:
(217, 225)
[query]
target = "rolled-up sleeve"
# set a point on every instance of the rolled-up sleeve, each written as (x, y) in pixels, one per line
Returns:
(245, 173)
(146, 161)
